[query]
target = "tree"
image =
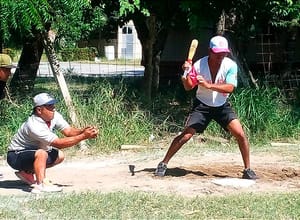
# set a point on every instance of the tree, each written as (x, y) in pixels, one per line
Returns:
(153, 28)
(242, 19)
(152, 20)
(71, 20)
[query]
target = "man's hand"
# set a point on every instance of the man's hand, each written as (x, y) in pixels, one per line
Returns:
(186, 66)
(90, 132)
(202, 82)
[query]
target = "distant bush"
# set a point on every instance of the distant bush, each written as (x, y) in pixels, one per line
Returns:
(11, 52)
(75, 54)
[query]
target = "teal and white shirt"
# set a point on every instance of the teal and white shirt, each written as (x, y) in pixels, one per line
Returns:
(227, 74)
(35, 133)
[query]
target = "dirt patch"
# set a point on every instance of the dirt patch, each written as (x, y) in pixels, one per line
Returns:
(187, 175)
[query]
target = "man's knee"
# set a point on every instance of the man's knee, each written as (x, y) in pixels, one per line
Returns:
(41, 154)
(236, 129)
(187, 134)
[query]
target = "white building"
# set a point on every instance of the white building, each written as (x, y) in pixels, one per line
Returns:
(129, 46)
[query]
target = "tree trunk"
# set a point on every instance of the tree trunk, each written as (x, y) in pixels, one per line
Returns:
(22, 82)
(155, 76)
(161, 37)
(148, 73)
(147, 33)
(222, 26)
(58, 74)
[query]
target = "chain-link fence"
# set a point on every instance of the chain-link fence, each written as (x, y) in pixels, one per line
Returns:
(94, 69)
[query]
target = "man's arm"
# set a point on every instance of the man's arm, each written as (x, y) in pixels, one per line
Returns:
(71, 131)
(222, 88)
(74, 136)
(187, 83)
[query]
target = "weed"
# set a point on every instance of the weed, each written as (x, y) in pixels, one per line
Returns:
(116, 107)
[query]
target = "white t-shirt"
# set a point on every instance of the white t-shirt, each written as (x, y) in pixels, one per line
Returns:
(35, 133)
(227, 74)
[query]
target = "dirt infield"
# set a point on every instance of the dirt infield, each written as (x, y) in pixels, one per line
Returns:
(187, 175)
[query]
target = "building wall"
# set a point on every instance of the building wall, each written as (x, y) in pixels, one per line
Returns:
(125, 45)
(129, 46)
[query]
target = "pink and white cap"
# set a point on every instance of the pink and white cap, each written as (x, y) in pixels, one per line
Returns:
(219, 44)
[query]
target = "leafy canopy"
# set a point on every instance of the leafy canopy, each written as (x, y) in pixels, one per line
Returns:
(71, 20)
(246, 15)
(286, 13)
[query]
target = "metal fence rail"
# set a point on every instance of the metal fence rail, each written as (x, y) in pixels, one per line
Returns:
(92, 69)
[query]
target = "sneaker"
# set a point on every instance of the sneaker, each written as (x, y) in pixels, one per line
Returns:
(249, 174)
(161, 169)
(47, 182)
(45, 187)
(27, 178)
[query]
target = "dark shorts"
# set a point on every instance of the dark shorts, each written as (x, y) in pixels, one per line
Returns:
(24, 159)
(202, 114)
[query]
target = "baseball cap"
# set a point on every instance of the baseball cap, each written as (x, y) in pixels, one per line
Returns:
(218, 44)
(43, 99)
(5, 61)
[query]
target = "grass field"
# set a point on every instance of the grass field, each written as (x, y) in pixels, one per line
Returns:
(124, 205)
(123, 118)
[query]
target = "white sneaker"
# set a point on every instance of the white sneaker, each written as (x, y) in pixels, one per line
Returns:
(39, 188)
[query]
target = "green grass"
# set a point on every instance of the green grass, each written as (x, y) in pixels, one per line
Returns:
(266, 115)
(138, 205)
(118, 109)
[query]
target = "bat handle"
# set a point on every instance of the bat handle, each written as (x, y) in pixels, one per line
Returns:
(184, 75)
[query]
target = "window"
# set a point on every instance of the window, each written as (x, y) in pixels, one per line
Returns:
(127, 30)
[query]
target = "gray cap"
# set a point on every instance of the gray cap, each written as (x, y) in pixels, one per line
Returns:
(43, 99)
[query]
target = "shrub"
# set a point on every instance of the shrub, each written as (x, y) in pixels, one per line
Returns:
(75, 54)
(119, 111)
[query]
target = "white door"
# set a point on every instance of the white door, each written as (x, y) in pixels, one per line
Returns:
(127, 40)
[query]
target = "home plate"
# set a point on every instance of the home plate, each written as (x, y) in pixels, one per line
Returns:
(234, 182)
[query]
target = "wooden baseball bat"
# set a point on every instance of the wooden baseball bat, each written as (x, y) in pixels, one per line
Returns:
(191, 53)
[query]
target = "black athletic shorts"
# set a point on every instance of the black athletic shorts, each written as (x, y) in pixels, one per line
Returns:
(202, 114)
(24, 159)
